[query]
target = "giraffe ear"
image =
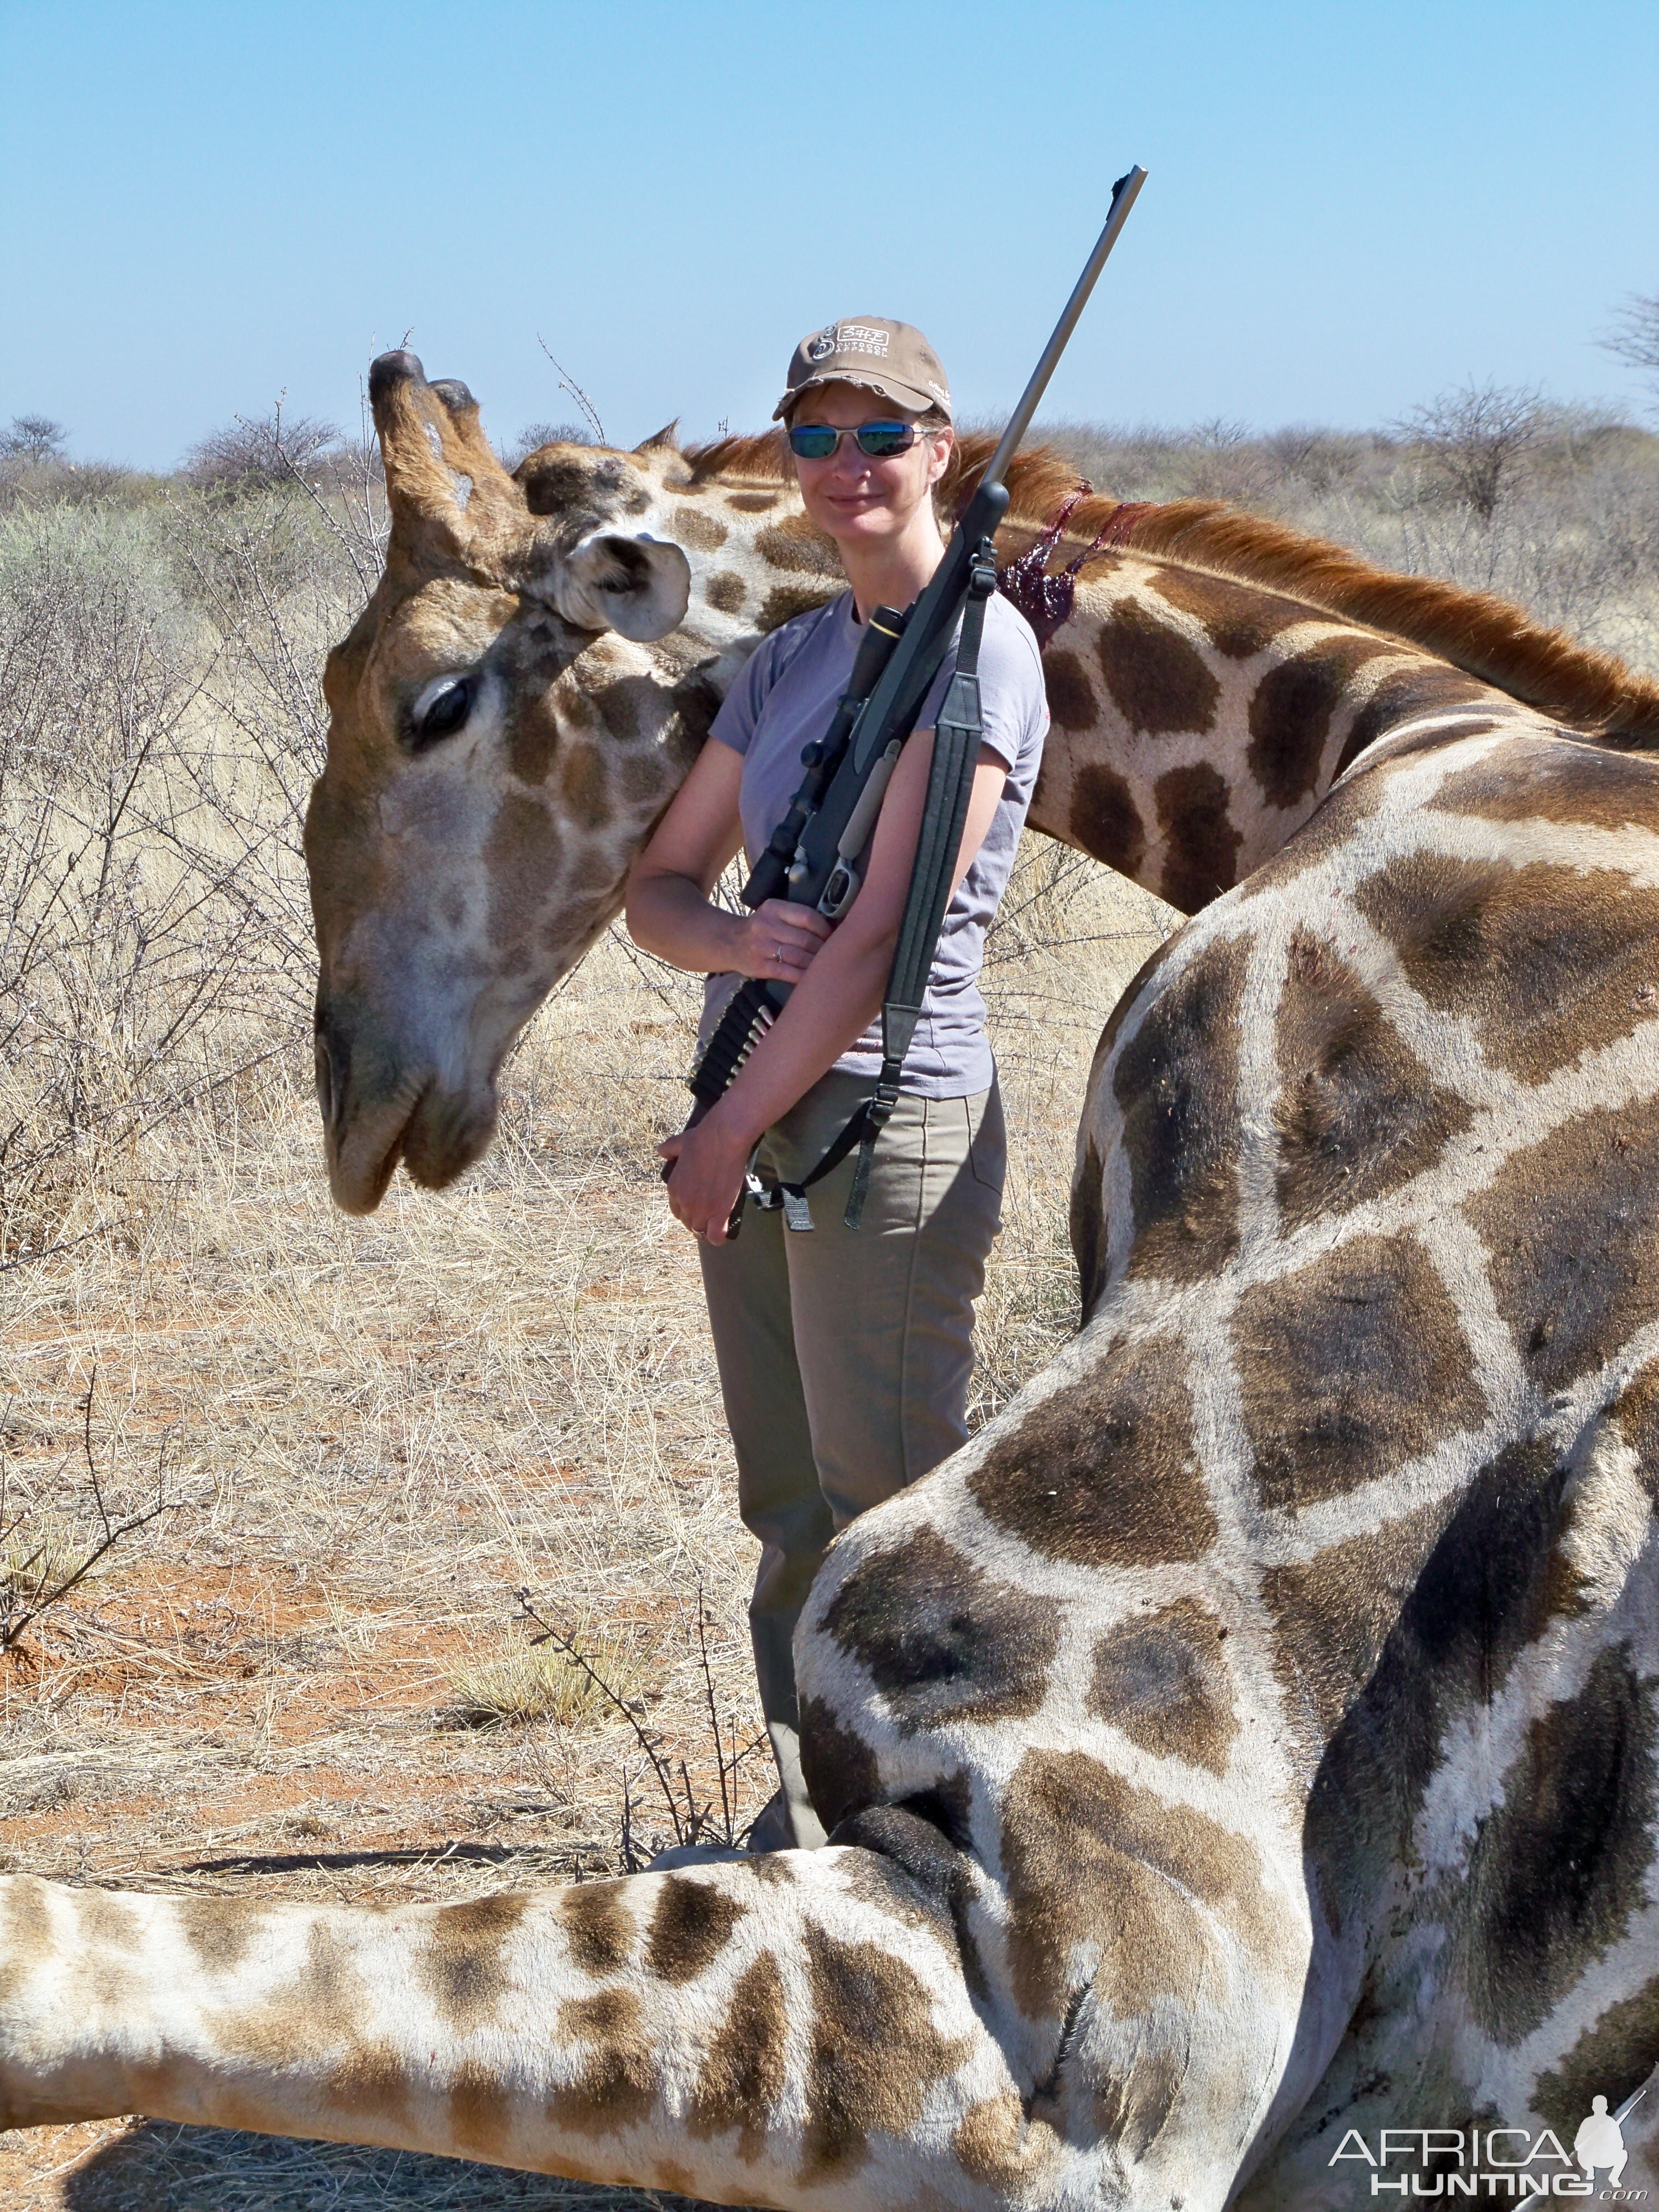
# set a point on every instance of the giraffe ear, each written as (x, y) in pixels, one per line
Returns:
(443, 480)
(666, 440)
(638, 587)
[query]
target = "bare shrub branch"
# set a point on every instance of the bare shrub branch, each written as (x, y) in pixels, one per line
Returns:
(160, 724)
(693, 1820)
(568, 383)
(26, 1556)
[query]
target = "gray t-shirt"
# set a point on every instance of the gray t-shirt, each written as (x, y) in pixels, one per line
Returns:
(785, 696)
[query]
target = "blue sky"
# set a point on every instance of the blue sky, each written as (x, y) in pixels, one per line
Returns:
(1351, 205)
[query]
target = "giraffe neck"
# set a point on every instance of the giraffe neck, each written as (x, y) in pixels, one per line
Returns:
(757, 561)
(1199, 722)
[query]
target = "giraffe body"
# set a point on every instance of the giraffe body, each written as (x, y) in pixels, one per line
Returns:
(1251, 1738)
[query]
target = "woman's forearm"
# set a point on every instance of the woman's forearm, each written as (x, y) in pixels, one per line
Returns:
(670, 916)
(830, 1005)
(828, 1011)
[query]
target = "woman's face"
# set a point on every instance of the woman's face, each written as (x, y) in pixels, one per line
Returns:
(858, 500)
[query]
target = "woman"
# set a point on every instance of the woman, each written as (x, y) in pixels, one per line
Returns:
(844, 1356)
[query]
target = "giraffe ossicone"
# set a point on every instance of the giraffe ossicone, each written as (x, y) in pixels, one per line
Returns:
(1249, 1742)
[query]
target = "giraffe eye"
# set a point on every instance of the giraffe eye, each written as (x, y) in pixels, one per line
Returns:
(442, 714)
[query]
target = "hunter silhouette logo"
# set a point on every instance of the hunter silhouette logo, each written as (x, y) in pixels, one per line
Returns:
(1600, 2138)
(1491, 2162)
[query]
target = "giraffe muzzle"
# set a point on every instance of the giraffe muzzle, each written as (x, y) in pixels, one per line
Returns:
(379, 1110)
(365, 1121)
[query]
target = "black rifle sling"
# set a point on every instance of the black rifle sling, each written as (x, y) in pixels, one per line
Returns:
(957, 741)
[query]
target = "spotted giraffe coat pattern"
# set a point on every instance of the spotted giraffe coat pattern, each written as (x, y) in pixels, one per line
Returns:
(1249, 1742)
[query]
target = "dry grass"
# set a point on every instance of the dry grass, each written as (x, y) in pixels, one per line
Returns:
(522, 1684)
(310, 1677)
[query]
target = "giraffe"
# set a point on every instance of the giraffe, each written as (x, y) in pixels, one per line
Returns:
(544, 654)
(1241, 1758)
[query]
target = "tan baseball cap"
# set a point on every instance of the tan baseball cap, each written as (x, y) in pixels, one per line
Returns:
(891, 359)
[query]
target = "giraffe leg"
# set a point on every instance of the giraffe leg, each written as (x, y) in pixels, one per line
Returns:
(770, 2031)
(754, 2032)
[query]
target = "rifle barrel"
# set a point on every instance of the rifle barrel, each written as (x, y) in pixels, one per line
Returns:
(1123, 198)
(940, 601)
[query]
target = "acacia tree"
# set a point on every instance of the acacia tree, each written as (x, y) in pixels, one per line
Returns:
(1473, 438)
(251, 455)
(32, 438)
(534, 435)
(1634, 339)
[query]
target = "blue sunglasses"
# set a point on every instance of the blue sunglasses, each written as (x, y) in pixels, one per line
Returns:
(879, 441)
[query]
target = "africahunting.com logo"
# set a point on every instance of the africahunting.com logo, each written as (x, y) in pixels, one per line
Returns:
(1499, 2162)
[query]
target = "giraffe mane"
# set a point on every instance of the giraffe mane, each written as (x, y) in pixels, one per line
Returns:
(759, 456)
(1476, 631)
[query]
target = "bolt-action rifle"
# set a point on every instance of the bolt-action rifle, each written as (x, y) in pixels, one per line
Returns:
(813, 857)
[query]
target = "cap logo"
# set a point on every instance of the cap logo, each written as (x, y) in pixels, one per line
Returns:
(848, 338)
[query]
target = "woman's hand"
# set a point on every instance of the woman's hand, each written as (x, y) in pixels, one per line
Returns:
(779, 941)
(669, 910)
(709, 1163)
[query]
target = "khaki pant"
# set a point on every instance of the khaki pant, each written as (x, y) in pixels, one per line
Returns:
(845, 1356)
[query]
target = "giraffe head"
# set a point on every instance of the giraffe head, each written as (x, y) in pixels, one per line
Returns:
(501, 739)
